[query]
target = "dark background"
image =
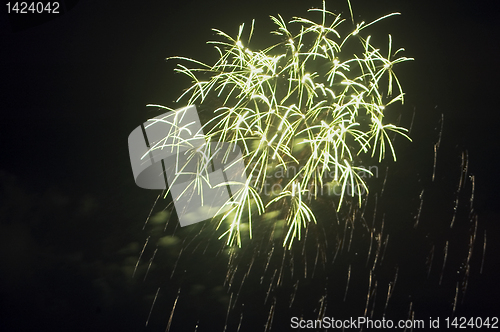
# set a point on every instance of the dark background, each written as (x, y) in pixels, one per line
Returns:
(73, 87)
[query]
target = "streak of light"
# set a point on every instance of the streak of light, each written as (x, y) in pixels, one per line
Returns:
(456, 297)
(269, 322)
(245, 276)
(324, 258)
(343, 239)
(435, 162)
(267, 264)
(347, 284)
(370, 247)
(440, 131)
(270, 286)
(465, 280)
(336, 251)
(469, 256)
(176, 261)
(305, 240)
(351, 229)
(379, 238)
(386, 242)
(292, 297)
(374, 297)
(325, 238)
(465, 168)
(172, 311)
(228, 310)
(390, 290)
(305, 266)
(152, 305)
(151, 211)
(194, 238)
(368, 294)
(239, 324)
(385, 179)
(231, 272)
(430, 259)
(281, 269)
(444, 262)
(417, 218)
(377, 252)
(454, 212)
(315, 260)
(474, 235)
(473, 179)
(412, 119)
(411, 315)
(463, 175)
(362, 215)
(140, 256)
(484, 252)
(150, 263)
(322, 308)
(436, 147)
(397, 122)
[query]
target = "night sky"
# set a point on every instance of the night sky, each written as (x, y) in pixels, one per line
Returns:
(72, 88)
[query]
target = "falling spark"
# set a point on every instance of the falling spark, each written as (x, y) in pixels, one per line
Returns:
(150, 263)
(484, 252)
(473, 180)
(228, 310)
(417, 218)
(435, 162)
(269, 322)
(430, 259)
(140, 256)
(385, 244)
(390, 290)
(347, 284)
(152, 305)
(368, 294)
(172, 311)
(292, 298)
(444, 262)
(455, 301)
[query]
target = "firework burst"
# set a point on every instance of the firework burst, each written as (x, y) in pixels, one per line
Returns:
(285, 113)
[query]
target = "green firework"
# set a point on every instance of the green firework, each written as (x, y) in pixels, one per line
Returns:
(307, 102)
